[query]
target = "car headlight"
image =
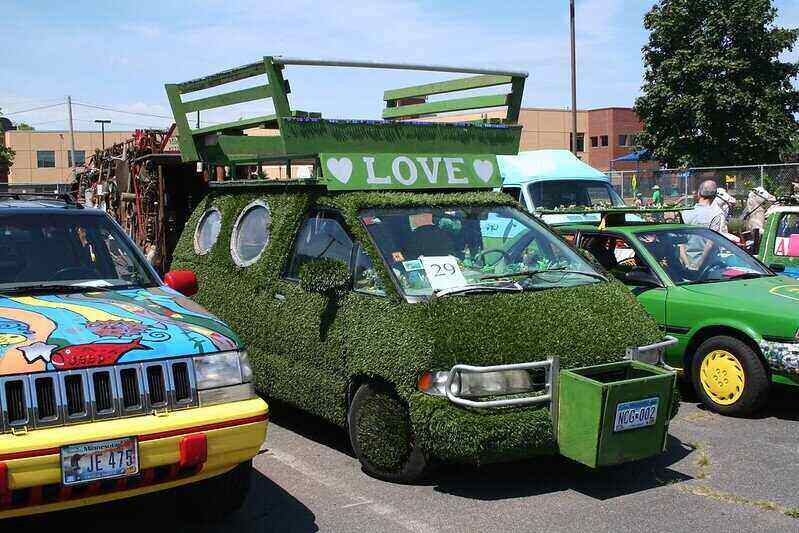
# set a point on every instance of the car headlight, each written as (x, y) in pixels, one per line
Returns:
(477, 384)
(223, 377)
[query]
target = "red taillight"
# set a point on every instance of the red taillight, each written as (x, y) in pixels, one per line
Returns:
(193, 450)
(5, 485)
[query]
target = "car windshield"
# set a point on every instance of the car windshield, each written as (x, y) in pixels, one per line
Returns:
(67, 252)
(787, 239)
(699, 255)
(436, 251)
(551, 194)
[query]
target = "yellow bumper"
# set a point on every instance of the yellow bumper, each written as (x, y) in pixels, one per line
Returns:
(234, 434)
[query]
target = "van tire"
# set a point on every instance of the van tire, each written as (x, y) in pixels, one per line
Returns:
(381, 435)
(756, 379)
(213, 499)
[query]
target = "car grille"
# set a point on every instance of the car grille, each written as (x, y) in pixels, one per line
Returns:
(73, 396)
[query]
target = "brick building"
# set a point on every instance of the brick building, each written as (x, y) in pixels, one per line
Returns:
(602, 134)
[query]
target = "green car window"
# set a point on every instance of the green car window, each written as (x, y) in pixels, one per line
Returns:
(699, 255)
(787, 240)
(429, 249)
(366, 279)
(322, 237)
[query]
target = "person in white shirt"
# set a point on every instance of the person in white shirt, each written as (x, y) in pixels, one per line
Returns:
(705, 212)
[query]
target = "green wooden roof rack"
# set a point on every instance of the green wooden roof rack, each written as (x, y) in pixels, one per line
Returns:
(302, 134)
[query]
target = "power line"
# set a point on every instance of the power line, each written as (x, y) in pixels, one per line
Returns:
(33, 109)
(104, 108)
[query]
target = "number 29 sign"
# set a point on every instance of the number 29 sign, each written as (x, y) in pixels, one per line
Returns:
(442, 271)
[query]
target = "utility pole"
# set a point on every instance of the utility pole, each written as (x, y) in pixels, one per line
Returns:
(102, 124)
(71, 132)
(574, 80)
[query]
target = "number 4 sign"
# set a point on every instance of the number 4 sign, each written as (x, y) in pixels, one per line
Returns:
(443, 271)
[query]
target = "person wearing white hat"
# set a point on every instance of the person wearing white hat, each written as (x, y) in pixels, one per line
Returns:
(657, 197)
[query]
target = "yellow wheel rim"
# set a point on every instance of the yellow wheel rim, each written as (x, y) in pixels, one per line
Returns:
(722, 377)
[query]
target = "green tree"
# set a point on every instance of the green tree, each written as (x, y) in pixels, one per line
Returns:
(715, 90)
(22, 126)
(6, 154)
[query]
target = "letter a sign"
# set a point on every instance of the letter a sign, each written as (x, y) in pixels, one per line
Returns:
(409, 171)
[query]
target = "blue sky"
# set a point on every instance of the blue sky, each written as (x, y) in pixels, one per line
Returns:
(119, 54)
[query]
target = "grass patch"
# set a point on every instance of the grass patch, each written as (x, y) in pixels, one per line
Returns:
(727, 497)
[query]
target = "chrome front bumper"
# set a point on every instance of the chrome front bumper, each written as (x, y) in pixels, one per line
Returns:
(652, 353)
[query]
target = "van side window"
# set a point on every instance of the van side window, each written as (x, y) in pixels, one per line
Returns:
(514, 192)
(321, 237)
(366, 278)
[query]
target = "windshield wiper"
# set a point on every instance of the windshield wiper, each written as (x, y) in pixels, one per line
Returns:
(477, 288)
(46, 287)
(64, 288)
(748, 275)
(529, 273)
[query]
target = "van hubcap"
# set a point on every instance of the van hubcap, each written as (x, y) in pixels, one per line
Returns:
(722, 377)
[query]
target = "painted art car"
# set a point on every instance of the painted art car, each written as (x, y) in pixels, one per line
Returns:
(779, 244)
(112, 384)
(736, 321)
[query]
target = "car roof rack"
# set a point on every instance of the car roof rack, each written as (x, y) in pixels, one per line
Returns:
(67, 198)
(300, 135)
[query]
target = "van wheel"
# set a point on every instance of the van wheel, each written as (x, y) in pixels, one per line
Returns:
(381, 436)
(213, 499)
(729, 377)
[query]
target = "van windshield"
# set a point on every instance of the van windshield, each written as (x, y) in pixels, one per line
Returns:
(66, 251)
(551, 194)
(436, 251)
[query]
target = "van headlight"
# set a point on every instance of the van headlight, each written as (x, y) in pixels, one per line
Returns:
(477, 384)
(223, 377)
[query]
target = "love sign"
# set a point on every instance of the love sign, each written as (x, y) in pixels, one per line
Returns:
(410, 171)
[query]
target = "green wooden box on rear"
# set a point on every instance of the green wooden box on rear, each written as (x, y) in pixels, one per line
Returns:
(587, 400)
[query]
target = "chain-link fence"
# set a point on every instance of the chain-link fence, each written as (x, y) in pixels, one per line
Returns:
(35, 188)
(680, 185)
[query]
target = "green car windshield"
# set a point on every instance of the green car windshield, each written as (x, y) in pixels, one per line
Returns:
(435, 251)
(699, 255)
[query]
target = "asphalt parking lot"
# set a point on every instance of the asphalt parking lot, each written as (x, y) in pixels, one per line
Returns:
(719, 474)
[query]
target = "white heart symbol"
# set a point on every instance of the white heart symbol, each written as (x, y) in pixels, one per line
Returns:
(484, 169)
(340, 168)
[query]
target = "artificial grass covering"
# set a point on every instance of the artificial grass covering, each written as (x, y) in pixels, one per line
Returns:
(313, 353)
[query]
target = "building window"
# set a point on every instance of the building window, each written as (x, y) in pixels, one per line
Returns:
(80, 157)
(603, 140)
(594, 142)
(45, 159)
(580, 142)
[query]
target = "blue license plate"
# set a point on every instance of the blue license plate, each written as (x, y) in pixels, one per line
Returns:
(637, 414)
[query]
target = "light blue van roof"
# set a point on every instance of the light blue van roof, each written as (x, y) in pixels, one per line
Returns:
(535, 165)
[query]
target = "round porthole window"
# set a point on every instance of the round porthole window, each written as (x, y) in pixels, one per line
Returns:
(207, 231)
(250, 233)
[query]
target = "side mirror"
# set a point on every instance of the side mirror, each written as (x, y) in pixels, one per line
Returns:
(640, 278)
(183, 281)
(326, 277)
(776, 267)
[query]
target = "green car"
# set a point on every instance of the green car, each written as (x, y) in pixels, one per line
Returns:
(779, 244)
(736, 321)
